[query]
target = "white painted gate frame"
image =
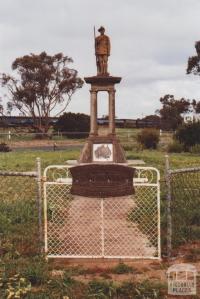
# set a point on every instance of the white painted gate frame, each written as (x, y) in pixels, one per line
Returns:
(140, 181)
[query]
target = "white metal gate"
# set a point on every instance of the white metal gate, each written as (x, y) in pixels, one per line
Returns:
(118, 227)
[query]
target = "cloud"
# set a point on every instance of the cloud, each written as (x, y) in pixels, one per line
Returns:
(151, 42)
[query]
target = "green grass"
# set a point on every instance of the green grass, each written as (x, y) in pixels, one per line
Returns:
(24, 135)
(156, 158)
(18, 229)
(25, 160)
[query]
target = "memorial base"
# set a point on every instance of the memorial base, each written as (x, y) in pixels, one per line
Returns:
(102, 180)
(100, 171)
(88, 153)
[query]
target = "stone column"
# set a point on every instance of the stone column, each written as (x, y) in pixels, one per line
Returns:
(93, 112)
(112, 112)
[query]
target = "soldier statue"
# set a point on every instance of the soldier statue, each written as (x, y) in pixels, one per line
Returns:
(102, 51)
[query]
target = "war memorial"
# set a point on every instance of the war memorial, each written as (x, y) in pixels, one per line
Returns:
(99, 150)
(102, 169)
(102, 206)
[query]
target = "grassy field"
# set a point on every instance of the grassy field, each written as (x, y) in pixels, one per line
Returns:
(24, 273)
(125, 135)
(25, 160)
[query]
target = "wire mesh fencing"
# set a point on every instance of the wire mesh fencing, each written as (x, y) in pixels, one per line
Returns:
(183, 201)
(20, 212)
(114, 227)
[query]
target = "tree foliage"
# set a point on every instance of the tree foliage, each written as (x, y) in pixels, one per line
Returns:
(196, 106)
(152, 121)
(172, 111)
(193, 66)
(77, 123)
(188, 134)
(40, 85)
(152, 117)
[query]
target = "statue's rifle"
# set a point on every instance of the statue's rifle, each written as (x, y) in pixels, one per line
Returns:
(95, 46)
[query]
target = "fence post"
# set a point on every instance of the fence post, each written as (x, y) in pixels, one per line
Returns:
(169, 216)
(128, 136)
(9, 135)
(39, 200)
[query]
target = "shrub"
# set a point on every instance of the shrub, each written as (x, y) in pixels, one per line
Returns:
(4, 147)
(175, 147)
(188, 134)
(36, 271)
(14, 287)
(122, 268)
(143, 290)
(73, 123)
(148, 138)
(66, 287)
(101, 289)
(127, 147)
(195, 149)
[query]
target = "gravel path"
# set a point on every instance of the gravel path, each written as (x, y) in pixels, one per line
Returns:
(90, 222)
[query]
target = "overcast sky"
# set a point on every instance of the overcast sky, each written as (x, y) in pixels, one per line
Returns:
(151, 41)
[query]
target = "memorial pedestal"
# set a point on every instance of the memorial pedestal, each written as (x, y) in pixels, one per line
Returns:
(108, 143)
(100, 172)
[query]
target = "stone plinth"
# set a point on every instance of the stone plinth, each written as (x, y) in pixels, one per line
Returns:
(99, 172)
(87, 154)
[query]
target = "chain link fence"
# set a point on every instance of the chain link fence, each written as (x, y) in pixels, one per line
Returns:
(115, 227)
(20, 212)
(183, 201)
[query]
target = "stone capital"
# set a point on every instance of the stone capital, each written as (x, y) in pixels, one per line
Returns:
(93, 91)
(112, 91)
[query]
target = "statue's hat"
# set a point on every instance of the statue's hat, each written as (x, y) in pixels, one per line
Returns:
(101, 29)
